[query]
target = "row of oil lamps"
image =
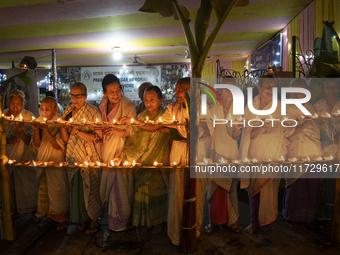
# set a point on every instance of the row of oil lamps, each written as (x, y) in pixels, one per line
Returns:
(113, 163)
(71, 121)
(207, 161)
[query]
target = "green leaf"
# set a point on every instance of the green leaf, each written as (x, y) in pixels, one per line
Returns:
(184, 11)
(202, 23)
(163, 7)
(26, 79)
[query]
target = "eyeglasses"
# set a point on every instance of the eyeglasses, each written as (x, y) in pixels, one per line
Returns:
(77, 96)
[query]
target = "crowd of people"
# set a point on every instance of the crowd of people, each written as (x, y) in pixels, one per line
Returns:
(145, 198)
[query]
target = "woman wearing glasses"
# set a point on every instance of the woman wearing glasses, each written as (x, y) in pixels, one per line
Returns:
(116, 188)
(85, 198)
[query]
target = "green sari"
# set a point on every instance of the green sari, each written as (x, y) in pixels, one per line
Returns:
(150, 203)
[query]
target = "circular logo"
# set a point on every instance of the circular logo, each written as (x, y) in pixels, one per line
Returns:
(86, 75)
(153, 72)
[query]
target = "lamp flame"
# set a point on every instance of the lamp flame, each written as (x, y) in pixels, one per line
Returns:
(155, 163)
(112, 163)
(205, 161)
(87, 164)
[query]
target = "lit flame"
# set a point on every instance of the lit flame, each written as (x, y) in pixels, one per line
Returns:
(174, 163)
(328, 115)
(147, 118)
(236, 161)
(44, 119)
(71, 120)
(114, 121)
(318, 159)
(255, 160)
(315, 116)
(338, 111)
(61, 164)
(33, 118)
(58, 119)
(222, 160)
(12, 117)
(45, 163)
(160, 119)
(246, 160)
(34, 163)
(282, 158)
(98, 163)
(205, 161)
(294, 159)
(84, 120)
(133, 163)
(173, 118)
(132, 120)
(155, 163)
(112, 163)
(240, 118)
(302, 116)
(20, 117)
(3, 115)
(9, 161)
(86, 163)
(76, 164)
(285, 118)
(96, 121)
(126, 163)
(308, 158)
(331, 157)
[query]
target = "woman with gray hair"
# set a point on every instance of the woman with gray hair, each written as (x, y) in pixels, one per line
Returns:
(18, 135)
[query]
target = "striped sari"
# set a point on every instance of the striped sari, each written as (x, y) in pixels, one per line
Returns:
(150, 203)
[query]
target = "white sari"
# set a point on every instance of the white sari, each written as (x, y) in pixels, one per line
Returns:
(268, 145)
(25, 178)
(224, 145)
(58, 203)
(116, 187)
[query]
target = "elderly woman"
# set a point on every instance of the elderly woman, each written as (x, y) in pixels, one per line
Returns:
(18, 136)
(85, 198)
(147, 146)
(179, 154)
(222, 192)
(330, 130)
(116, 188)
(301, 197)
(265, 142)
(141, 107)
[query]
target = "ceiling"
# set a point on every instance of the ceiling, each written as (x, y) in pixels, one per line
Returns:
(83, 32)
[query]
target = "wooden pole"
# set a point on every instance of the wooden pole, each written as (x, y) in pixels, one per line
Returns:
(188, 237)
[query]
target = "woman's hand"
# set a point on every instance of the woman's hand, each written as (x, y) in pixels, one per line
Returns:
(19, 125)
(35, 126)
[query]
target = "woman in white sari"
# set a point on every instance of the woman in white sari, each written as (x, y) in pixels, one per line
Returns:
(265, 142)
(18, 135)
(222, 188)
(116, 187)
